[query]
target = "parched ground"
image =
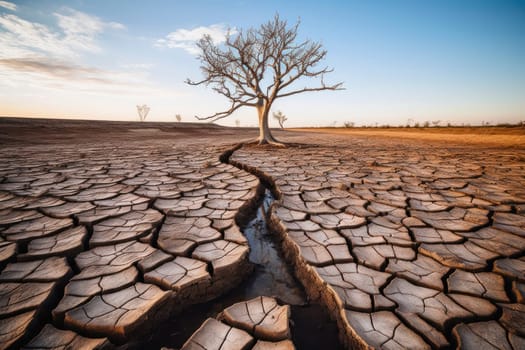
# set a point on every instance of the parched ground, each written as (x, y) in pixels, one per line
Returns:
(410, 242)
(474, 136)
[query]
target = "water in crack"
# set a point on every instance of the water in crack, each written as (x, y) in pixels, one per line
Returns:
(311, 326)
(272, 276)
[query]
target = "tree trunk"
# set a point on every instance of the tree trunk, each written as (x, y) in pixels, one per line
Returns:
(265, 135)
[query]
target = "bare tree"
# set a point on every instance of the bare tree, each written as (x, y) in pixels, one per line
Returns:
(237, 122)
(436, 123)
(178, 117)
(257, 66)
(281, 118)
(143, 112)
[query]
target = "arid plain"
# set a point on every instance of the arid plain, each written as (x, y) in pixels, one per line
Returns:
(407, 238)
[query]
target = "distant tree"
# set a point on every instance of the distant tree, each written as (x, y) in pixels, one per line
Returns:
(281, 118)
(237, 122)
(426, 124)
(257, 66)
(178, 117)
(349, 124)
(436, 123)
(143, 112)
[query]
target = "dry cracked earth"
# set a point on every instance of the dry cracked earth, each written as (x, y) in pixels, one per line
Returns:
(407, 244)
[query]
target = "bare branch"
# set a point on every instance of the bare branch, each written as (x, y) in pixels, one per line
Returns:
(338, 86)
(220, 115)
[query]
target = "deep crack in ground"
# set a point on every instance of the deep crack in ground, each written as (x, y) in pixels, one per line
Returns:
(312, 327)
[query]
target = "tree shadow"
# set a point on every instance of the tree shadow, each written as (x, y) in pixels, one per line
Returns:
(254, 144)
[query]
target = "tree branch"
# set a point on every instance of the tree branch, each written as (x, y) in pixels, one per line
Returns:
(227, 113)
(338, 86)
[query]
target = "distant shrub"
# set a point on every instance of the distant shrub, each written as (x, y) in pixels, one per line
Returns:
(281, 118)
(143, 112)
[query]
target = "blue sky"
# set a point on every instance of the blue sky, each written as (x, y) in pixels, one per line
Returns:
(457, 61)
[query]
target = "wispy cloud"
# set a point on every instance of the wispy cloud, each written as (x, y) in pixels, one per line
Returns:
(52, 74)
(33, 54)
(187, 38)
(78, 32)
(81, 29)
(53, 69)
(21, 37)
(8, 5)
